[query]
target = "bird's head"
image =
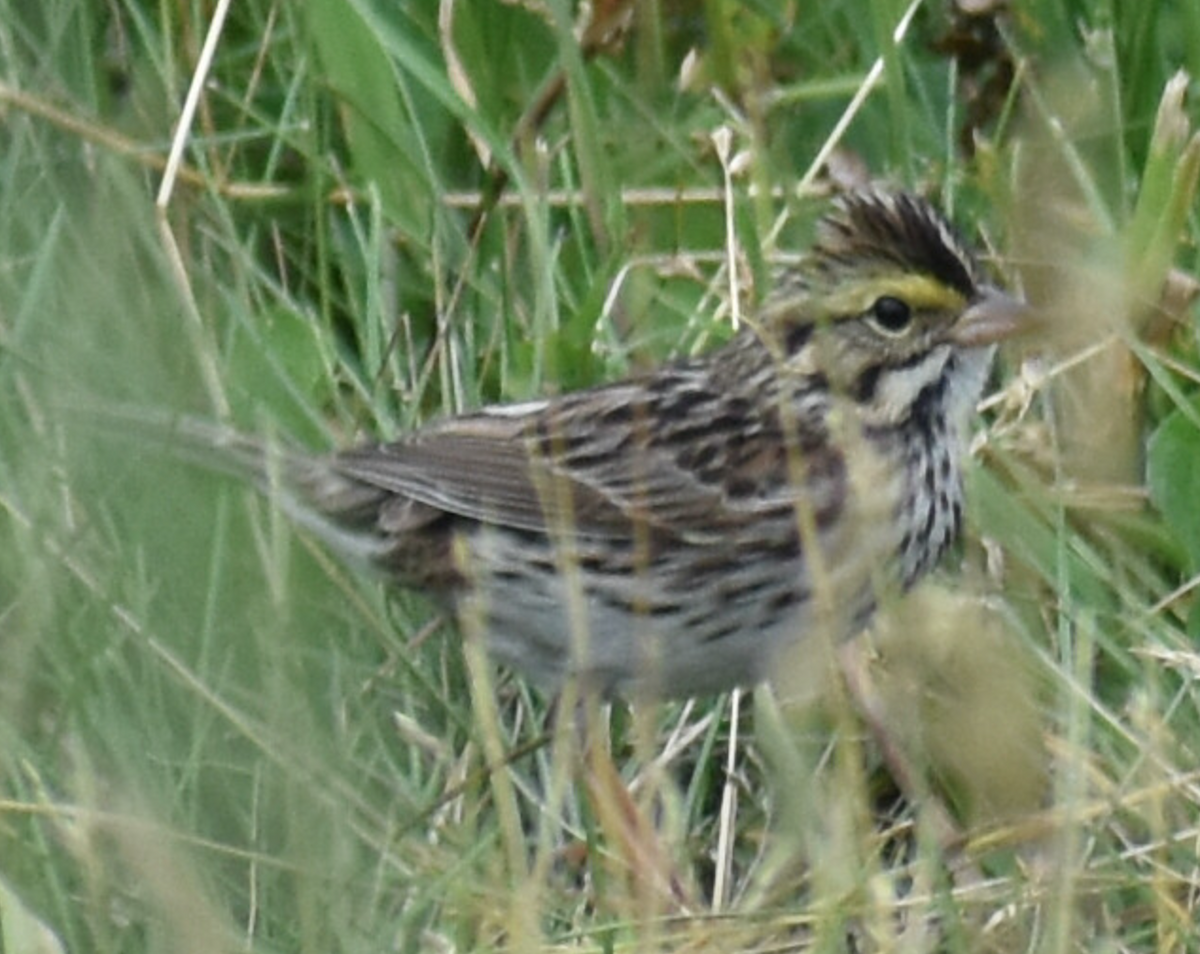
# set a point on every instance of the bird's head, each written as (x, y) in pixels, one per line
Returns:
(887, 304)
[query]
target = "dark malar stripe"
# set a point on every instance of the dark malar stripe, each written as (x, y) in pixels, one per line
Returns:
(867, 385)
(864, 388)
(797, 337)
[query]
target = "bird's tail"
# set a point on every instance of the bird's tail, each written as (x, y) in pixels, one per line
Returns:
(307, 487)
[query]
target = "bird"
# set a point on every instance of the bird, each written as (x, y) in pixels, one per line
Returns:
(690, 529)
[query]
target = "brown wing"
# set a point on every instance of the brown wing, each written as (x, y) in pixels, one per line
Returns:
(483, 469)
(677, 458)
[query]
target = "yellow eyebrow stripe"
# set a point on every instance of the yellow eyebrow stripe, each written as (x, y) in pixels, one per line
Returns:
(921, 292)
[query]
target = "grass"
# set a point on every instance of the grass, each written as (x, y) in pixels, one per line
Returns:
(215, 737)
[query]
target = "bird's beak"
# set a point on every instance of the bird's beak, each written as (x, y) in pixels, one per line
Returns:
(993, 316)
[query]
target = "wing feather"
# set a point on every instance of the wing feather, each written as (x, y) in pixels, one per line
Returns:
(605, 464)
(493, 479)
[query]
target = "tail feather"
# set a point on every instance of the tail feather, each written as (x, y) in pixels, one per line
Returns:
(309, 488)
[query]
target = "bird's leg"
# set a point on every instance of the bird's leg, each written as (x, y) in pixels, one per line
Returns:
(582, 722)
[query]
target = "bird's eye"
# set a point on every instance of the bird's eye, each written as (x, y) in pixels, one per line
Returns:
(891, 315)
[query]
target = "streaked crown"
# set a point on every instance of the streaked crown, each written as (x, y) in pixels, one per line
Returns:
(892, 233)
(873, 307)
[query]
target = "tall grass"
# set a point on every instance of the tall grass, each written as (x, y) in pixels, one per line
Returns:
(215, 737)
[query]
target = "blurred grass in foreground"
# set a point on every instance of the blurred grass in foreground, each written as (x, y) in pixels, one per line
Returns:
(214, 737)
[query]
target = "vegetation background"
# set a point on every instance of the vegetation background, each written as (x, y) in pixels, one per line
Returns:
(214, 737)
